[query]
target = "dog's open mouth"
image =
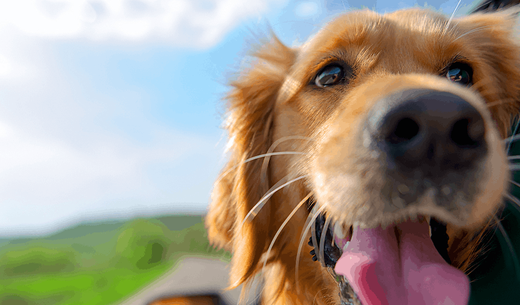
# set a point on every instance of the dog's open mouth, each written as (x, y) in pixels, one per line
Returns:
(397, 265)
(400, 264)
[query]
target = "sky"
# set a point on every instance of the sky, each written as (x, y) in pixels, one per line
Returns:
(112, 108)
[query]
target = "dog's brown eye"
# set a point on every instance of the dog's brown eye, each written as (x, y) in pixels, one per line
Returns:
(330, 75)
(460, 73)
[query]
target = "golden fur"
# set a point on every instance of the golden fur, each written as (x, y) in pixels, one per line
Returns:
(271, 102)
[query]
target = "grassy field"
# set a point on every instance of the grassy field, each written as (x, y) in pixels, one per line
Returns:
(97, 263)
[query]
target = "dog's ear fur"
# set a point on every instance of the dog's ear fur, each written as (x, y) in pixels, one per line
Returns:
(496, 45)
(239, 187)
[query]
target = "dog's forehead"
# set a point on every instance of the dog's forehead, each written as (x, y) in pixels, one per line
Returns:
(365, 27)
(418, 19)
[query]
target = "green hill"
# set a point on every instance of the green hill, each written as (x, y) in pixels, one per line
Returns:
(97, 263)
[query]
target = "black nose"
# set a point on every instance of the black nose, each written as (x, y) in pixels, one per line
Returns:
(427, 129)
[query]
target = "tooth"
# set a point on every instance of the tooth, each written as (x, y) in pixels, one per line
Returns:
(398, 202)
(345, 246)
(339, 231)
(361, 225)
(403, 189)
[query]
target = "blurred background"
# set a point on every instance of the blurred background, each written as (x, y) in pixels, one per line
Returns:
(111, 138)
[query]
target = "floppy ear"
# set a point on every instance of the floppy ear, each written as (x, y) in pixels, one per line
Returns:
(495, 45)
(239, 187)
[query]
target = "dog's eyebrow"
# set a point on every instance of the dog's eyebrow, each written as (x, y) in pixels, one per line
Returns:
(458, 58)
(322, 62)
(330, 55)
(337, 55)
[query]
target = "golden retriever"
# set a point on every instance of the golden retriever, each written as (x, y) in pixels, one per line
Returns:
(384, 128)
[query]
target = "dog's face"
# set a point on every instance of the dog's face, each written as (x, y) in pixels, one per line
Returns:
(388, 121)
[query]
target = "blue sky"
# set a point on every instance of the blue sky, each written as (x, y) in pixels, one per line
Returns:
(111, 108)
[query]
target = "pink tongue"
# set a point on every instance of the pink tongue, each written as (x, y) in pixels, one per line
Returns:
(383, 271)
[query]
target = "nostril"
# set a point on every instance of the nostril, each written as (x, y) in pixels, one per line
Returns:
(467, 132)
(427, 130)
(405, 130)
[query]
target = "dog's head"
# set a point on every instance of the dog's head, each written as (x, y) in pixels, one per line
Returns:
(386, 122)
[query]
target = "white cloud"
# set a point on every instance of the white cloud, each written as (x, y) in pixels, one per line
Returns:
(308, 9)
(199, 24)
(191, 23)
(46, 181)
(16, 56)
(5, 66)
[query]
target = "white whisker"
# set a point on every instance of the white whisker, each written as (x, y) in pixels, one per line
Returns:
(258, 157)
(514, 183)
(452, 14)
(509, 245)
(513, 157)
(314, 238)
(514, 167)
(471, 31)
(302, 239)
(263, 171)
(512, 198)
(254, 211)
(283, 226)
(513, 138)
